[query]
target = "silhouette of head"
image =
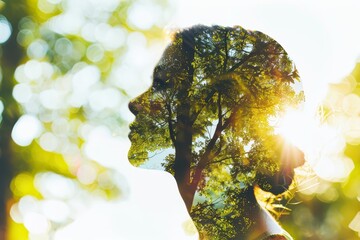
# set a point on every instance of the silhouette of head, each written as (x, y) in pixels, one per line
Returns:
(206, 117)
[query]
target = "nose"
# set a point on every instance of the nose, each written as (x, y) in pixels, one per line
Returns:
(136, 104)
(133, 107)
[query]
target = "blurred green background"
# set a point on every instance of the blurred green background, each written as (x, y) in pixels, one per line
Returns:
(67, 71)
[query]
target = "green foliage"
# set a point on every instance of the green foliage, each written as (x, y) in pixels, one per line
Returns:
(213, 92)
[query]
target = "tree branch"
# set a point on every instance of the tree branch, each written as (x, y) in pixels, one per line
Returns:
(257, 50)
(226, 51)
(220, 160)
(242, 61)
(209, 154)
(207, 100)
(170, 124)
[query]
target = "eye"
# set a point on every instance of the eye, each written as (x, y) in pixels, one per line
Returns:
(159, 84)
(160, 81)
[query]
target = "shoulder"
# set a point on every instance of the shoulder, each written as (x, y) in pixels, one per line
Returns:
(283, 236)
(275, 237)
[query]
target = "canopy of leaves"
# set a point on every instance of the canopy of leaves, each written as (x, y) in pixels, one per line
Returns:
(218, 85)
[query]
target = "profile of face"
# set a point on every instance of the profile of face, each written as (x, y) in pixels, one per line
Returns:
(206, 121)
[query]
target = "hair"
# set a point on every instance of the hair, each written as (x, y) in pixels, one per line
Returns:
(202, 41)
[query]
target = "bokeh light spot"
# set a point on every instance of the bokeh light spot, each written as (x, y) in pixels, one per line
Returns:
(15, 213)
(105, 180)
(22, 184)
(54, 1)
(87, 31)
(352, 130)
(22, 92)
(26, 129)
(37, 49)
(36, 223)
(63, 47)
(82, 83)
(25, 37)
(52, 99)
(351, 104)
(103, 147)
(2, 107)
(28, 204)
(32, 70)
(114, 38)
(5, 29)
(55, 210)
(355, 223)
(105, 98)
(49, 142)
(86, 174)
(334, 168)
(95, 53)
(125, 78)
(45, 182)
(143, 15)
(189, 228)
(329, 195)
(46, 6)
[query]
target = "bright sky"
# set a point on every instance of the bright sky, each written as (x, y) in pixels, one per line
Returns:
(321, 37)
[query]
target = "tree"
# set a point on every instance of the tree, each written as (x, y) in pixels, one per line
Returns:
(10, 56)
(213, 93)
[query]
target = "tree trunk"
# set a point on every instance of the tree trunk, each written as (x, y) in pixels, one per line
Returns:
(11, 56)
(5, 178)
(184, 131)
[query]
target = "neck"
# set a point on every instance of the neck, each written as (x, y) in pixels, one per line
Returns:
(261, 222)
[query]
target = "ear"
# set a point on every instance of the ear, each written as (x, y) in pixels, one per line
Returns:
(280, 181)
(292, 157)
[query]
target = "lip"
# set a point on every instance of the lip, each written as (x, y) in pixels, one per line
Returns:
(131, 132)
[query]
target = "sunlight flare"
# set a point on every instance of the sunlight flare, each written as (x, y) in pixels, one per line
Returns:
(322, 143)
(294, 126)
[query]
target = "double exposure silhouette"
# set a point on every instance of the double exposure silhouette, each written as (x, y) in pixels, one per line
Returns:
(213, 93)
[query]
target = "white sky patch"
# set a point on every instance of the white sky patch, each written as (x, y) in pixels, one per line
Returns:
(157, 158)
